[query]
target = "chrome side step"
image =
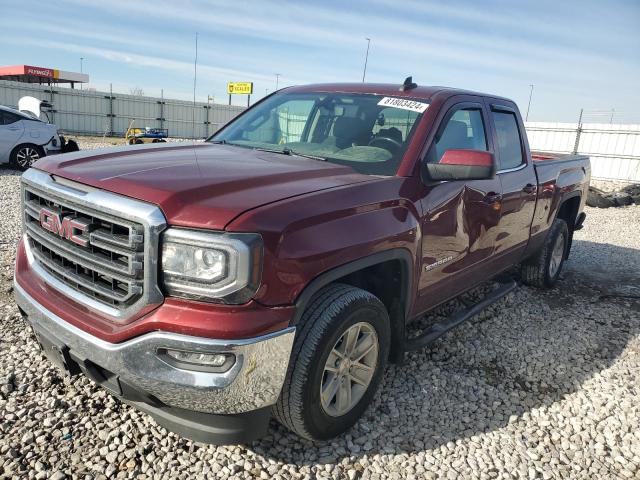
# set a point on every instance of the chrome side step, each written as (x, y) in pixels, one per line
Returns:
(436, 331)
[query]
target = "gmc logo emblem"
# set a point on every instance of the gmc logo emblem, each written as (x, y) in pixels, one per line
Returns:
(65, 227)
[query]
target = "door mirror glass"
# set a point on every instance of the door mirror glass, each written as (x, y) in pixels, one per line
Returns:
(461, 165)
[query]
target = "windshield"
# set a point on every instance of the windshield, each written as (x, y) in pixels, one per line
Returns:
(369, 133)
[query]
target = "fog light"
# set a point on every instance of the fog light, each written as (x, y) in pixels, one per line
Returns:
(218, 362)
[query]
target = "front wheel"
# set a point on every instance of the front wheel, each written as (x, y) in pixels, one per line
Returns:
(543, 268)
(337, 362)
(24, 156)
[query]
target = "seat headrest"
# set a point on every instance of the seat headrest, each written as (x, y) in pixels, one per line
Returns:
(348, 127)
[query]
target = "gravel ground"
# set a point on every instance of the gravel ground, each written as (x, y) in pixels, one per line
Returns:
(91, 143)
(541, 385)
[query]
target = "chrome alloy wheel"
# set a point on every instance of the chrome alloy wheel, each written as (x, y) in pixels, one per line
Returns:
(349, 369)
(26, 156)
(556, 256)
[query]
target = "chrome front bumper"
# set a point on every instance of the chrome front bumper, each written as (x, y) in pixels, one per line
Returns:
(253, 382)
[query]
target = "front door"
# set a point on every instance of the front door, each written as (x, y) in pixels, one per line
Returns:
(459, 217)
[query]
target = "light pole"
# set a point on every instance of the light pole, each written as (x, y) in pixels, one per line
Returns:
(366, 58)
(195, 76)
(81, 59)
(278, 75)
(526, 118)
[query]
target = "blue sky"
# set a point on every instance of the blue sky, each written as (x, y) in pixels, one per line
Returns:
(578, 54)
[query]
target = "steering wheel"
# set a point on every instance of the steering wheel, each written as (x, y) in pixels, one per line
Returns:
(385, 142)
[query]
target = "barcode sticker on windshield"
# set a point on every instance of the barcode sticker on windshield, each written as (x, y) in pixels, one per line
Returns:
(404, 104)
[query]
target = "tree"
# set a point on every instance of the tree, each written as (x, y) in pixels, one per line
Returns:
(136, 91)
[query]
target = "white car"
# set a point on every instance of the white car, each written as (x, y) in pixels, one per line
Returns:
(24, 138)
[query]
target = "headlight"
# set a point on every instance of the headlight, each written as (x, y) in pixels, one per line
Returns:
(219, 267)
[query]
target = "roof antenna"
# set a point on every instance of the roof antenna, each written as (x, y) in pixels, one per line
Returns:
(408, 84)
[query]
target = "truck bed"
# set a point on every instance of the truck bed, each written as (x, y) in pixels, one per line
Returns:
(552, 166)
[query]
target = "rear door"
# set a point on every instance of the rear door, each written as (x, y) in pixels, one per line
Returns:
(460, 217)
(11, 130)
(517, 179)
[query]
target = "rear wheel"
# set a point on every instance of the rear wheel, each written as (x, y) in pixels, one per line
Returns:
(543, 269)
(24, 156)
(337, 362)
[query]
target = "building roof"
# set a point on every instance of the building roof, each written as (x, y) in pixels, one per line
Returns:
(33, 74)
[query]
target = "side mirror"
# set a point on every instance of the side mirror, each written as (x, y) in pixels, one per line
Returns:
(461, 165)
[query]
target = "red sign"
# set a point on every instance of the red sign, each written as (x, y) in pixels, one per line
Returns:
(38, 71)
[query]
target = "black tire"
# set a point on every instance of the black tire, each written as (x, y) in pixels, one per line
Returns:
(536, 270)
(71, 146)
(16, 158)
(329, 314)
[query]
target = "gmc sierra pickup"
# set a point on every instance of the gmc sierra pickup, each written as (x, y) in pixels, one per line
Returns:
(272, 269)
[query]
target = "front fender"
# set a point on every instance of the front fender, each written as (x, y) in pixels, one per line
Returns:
(308, 236)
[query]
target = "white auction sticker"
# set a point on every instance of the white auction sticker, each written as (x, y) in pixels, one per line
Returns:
(404, 104)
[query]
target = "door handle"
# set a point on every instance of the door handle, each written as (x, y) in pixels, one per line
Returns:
(492, 197)
(530, 188)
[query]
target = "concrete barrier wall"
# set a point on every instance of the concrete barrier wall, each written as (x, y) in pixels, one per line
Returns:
(614, 148)
(99, 113)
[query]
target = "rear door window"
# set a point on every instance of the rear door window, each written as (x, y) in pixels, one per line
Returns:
(509, 145)
(7, 118)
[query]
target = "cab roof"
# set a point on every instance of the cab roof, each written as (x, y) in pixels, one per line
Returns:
(387, 89)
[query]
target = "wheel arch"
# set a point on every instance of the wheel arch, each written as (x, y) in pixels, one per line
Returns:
(12, 155)
(568, 209)
(370, 273)
(40, 148)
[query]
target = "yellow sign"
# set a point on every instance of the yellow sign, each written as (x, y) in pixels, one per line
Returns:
(240, 88)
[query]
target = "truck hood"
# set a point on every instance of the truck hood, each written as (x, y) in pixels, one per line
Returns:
(199, 184)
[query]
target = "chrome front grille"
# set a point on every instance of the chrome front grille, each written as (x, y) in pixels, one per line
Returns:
(109, 268)
(97, 247)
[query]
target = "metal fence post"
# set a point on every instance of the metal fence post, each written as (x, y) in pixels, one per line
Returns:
(161, 103)
(206, 122)
(578, 132)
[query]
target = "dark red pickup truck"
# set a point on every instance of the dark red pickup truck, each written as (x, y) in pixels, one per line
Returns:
(273, 268)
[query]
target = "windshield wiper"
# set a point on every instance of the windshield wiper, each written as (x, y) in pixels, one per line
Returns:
(219, 142)
(288, 151)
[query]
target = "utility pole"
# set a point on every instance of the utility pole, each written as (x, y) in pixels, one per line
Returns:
(278, 75)
(195, 74)
(578, 132)
(366, 58)
(613, 111)
(81, 59)
(526, 118)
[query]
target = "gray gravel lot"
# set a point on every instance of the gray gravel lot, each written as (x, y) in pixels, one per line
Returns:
(541, 385)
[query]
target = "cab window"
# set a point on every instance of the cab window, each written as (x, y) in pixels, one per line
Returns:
(509, 147)
(7, 118)
(464, 131)
(394, 123)
(283, 124)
